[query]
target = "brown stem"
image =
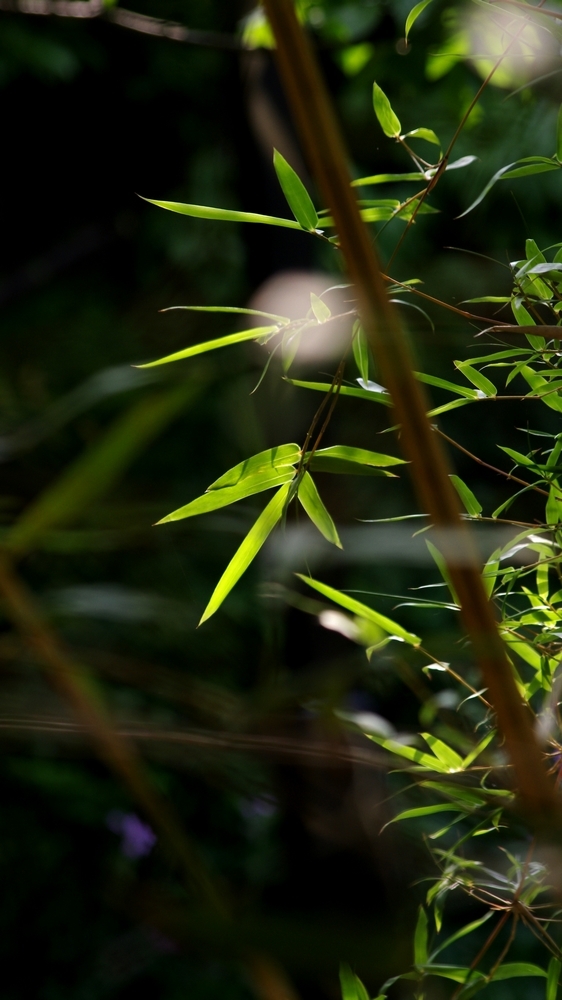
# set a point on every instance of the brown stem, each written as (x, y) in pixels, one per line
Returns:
(487, 465)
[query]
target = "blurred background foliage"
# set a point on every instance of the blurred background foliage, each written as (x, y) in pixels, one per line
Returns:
(235, 722)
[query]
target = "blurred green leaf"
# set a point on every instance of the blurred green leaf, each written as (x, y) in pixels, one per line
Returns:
(297, 196)
(321, 311)
(420, 938)
(424, 133)
(552, 977)
(248, 550)
(229, 309)
(477, 378)
(361, 351)
(95, 471)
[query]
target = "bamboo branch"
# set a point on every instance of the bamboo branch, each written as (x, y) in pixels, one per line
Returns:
(326, 154)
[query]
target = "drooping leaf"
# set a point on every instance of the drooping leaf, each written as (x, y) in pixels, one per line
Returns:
(213, 345)
(515, 970)
(424, 760)
(360, 347)
(472, 505)
(222, 214)
(314, 507)
(478, 749)
(280, 457)
(351, 986)
(249, 548)
(388, 121)
(374, 396)
(362, 610)
(214, 499)
(477, 378)
(297, 196)
(421, 811)
(413, 16)
(441, 383)
(533, 165)
(463, 932)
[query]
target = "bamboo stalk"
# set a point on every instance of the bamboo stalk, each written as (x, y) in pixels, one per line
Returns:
(325, 150)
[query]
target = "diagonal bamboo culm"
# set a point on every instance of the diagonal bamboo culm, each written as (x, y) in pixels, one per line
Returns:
(325, 150)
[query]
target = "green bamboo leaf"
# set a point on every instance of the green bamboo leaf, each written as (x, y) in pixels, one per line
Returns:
(518, 458)
(413, 16)
(459, 974)
(445, 407)
(388, 121)
(463, 932)
(249, 548)
(297, 196)
(441, 383)
(515, 970)
(358, 456)
(95, 471)
(321, 311)
(281, 456)
(351, 986)
(424, 811)
(360, 347)
(424, 133)
(213, 345)
(222, 214)
(314, 507)
(374, 396)
(362, 610)
(553, 510)
(472, 506)
(467, 797)
(477, 378)
(389, 178)
(214, 499)
(450, 758)
(229, 309)
(425, 760)
(478, 749)
(552, 977)
(420, 938)
(442, 567)
(540, 165)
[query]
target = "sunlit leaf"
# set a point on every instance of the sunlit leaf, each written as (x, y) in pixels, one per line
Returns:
(552, 977)
(351, 986)
(424, 133)
(446, 755)
(477, 378)
(248, 550)
(388, 121)
(425, 760)
(345, 390)
(441, 383)
(214, 499)
(358, 456)
(362, 610)
(314, 507)
(297, 196)
(222, 214)
(272, 458)
(229, 309)
(212, 345)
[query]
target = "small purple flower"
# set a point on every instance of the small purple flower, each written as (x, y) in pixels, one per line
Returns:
(137, 838)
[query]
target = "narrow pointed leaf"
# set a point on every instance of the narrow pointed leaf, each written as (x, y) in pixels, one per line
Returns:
(222, 214)
(215, 499)
(273, 459)
(447, 756)
(212, 345)
(361, 351)
(297, 196)
(478, 749)
(463, 932)
(388, 121)
(417, 813)
(477, 378)
(250, 547)
(471, 504)
(314, 507)
(345, 390)
(553, 975)
(229, 309)
(413, 16)
(425, 760)
(362, 610)
(424, 133)
(359, 456)
(441, 383)
(321, 311)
